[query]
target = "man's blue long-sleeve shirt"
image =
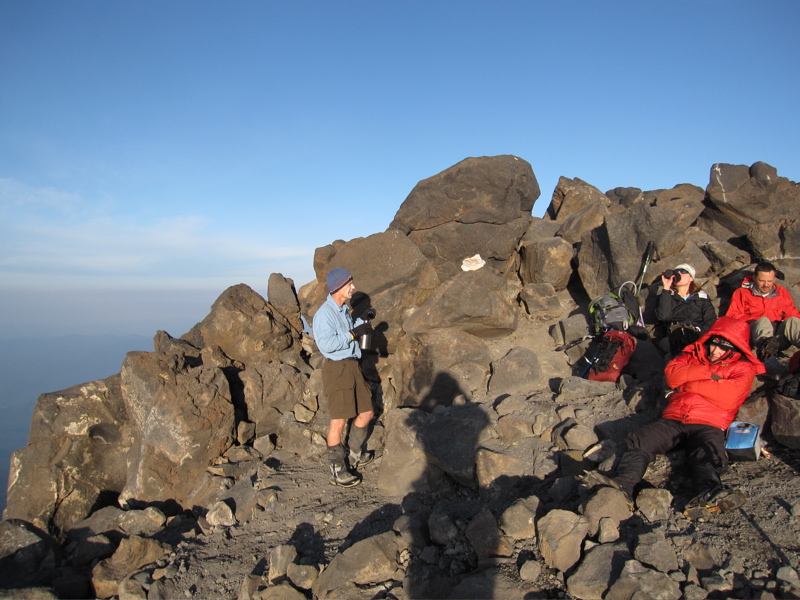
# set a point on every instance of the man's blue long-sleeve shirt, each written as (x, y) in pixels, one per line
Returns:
(332, 325)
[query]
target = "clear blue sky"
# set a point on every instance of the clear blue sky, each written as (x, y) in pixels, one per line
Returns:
(154, 153)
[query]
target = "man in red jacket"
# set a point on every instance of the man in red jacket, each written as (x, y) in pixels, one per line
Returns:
(711, 379)
(769, 310)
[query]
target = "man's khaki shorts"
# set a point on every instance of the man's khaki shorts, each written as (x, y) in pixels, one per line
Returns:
(344, 386)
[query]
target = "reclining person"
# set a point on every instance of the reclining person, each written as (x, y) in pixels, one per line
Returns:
(711, 379)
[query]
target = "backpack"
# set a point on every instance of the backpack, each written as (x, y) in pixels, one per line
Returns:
(609, 312)
(613, 355)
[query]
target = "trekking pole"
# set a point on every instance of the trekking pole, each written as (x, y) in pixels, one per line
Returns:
(646, 260)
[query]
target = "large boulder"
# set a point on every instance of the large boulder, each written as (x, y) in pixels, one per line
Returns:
(76, 455)
(740, 197)
(271, 390)
(611, 254)
(477, 302)
(546, 261)
(420, 446)
(246, 328)
(183, 419)
(441, 365)
(478, 206)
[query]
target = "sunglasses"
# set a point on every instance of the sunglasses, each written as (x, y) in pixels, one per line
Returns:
(717, 340)
(681, 271)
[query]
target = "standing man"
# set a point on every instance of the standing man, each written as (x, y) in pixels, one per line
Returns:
(349, 397)
(769, 310)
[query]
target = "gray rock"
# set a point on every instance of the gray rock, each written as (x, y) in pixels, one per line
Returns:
(270, 390)
(655, 504)
(280, 557)
(573, 388)
(517, 371)
(546, 261)
(77, 448)
(442, 528)
(601, 566)
(454, 305)
(519, 519)
(608, 530)
(436, 364)
(742, 197)
(560, 535)
(541, 300)
(785, 422)
(281, 294)
(530, 570)
(302, 576)
(220, 515)
(28, 556)
(246, 328)
(637, 581)
(283, 591)
(486, 538)
(655, 551)
(183, 419)
(605, 502)
(571, 196)
(478, 206)
(368, 561)
(133, 553)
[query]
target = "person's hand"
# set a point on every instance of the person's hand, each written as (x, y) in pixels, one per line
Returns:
(360, 330)
(667, 283)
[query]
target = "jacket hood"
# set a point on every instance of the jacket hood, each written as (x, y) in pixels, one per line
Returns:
(737, 333)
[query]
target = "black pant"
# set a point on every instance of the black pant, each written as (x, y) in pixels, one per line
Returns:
(704, 446)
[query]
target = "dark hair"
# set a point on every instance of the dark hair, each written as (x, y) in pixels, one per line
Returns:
(764, 267)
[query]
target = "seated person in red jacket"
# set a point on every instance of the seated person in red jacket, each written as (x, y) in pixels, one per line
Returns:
(769, 310)
(711, 379)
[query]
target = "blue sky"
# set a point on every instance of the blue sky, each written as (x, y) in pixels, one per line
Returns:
(154, 153)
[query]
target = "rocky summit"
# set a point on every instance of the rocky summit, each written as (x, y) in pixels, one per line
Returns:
(199, 470)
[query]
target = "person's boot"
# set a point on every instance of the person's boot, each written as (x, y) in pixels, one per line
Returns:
(340, 474)
(356, 441)
(719, 499)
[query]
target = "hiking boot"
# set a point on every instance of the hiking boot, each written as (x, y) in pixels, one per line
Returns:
(360, 459)
(341, 476)
(595, 479)
(720, 499)
(766, 347)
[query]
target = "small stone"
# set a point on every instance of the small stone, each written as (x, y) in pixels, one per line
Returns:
(530, 571)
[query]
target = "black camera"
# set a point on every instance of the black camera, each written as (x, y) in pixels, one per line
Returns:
(668, 274)
(369, 314)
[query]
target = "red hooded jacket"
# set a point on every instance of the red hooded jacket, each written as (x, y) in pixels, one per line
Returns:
(698, 398)
(747, 306)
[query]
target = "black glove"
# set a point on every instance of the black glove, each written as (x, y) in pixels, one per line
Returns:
(638, 332)
(360, 330)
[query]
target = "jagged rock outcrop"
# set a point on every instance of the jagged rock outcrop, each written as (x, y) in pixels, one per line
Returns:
(495, 432)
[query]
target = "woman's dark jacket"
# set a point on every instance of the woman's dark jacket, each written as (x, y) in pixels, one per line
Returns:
(695, 310)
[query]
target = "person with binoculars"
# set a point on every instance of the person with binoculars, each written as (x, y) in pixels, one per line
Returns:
(338, 336)
(684, 311)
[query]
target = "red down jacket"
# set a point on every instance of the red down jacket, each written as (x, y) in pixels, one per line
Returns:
(747, 306)
(699, 399)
